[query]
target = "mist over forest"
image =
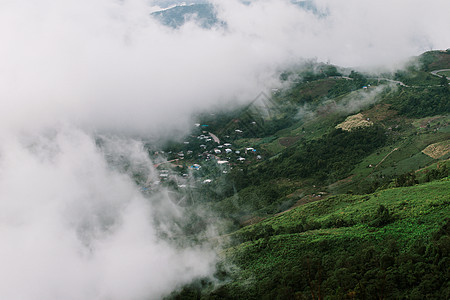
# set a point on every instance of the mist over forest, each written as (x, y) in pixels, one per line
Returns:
(98, 96)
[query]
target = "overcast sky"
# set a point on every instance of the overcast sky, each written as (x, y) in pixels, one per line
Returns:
(107, 63)
(72, 226)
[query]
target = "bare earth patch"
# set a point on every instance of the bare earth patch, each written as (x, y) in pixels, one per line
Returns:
(354, 121)
(437, 150)
(380, 112)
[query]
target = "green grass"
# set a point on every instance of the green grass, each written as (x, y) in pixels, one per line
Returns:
(420, 78)
(404, 203)
(273, 147)
(408, 156)
(446, 73)
(246, 142)
(432, 122)
(341, 228)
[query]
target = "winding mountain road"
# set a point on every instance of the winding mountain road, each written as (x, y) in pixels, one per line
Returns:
(391, 80)
(435, 73)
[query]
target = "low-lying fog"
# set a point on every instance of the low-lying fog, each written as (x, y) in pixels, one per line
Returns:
(74, 224)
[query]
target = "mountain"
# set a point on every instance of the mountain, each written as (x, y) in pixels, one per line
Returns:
(205, 14)
(171, 3)
(391, 244)
(177, 16)
(335, 187)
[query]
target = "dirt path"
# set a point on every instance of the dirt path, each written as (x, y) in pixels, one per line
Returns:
(390, 80)
(215, 138)
(165, 162)
(384, 158)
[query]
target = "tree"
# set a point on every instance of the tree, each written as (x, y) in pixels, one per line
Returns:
(444, 82)
(382, 217)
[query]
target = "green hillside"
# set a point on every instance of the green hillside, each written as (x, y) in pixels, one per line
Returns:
(349, 245)
(390, 244)
(335, 187)
(435, 60)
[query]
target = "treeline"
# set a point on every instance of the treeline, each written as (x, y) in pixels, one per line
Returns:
(410, 178)
(433, 60)
(421, 102)
(379, 218)
(329, 158)
(407, 179)
(326, 159)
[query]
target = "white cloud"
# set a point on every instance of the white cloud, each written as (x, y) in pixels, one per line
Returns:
(108, 64)
(74, 227)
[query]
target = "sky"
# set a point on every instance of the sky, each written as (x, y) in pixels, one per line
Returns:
(108, 64)
(73, 226)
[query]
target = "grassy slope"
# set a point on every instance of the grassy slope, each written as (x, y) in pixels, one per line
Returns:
(408, 136)
(272, 256)
(403, 203)
(416, 213)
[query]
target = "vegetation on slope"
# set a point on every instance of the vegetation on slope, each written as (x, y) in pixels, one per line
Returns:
(360, 213)
(394, 243)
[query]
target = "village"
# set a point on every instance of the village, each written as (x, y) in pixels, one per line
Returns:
(201, 158)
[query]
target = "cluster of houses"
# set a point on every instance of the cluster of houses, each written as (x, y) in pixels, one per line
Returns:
(211, 148)
(207, 147)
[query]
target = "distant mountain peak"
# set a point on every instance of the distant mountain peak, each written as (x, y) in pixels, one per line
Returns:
(177, 16)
